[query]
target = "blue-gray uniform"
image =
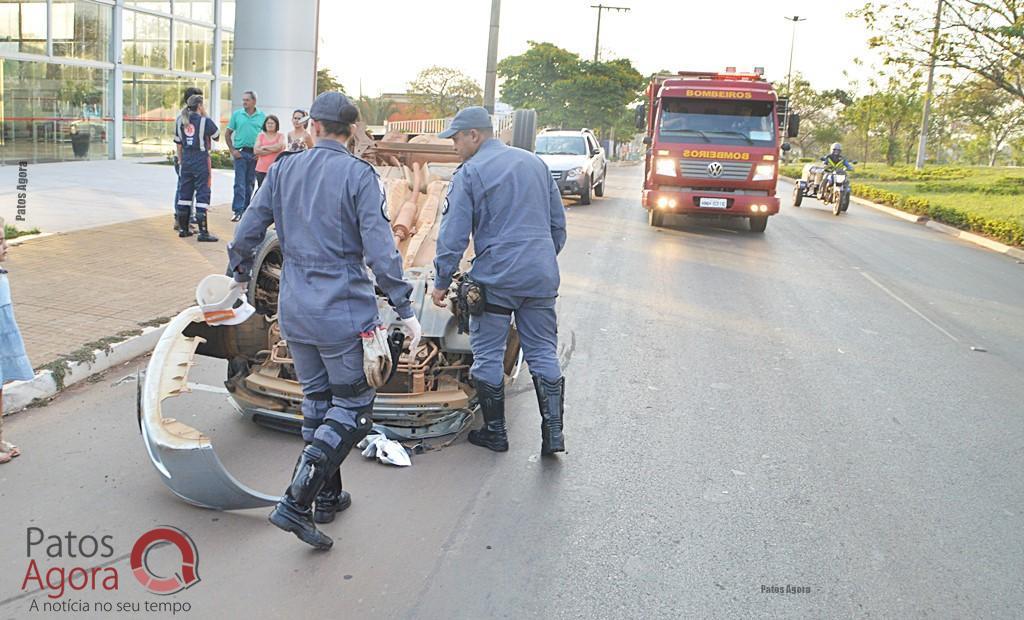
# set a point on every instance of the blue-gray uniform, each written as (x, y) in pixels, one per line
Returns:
(194, 176)
(507, 199)
(329, 210)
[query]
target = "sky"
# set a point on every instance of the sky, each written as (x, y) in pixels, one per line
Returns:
(383, 50)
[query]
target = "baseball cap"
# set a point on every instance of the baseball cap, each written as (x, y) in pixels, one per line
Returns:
(328, 106)
(474, 117)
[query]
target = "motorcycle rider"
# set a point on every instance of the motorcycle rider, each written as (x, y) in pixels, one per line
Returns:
(834, 161)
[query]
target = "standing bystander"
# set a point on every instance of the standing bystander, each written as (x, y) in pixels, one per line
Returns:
(14, 365)
(269, 145)
(244, 126)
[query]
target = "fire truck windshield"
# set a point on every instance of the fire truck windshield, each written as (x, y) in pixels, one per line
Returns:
(714, 121)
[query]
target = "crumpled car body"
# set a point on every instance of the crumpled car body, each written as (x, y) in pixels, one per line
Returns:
(429, 394)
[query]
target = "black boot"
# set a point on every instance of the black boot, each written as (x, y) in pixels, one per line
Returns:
(204, 231)
(492, 435)
(183, 228)
(550, 399)
(294, 513)
(331, 499)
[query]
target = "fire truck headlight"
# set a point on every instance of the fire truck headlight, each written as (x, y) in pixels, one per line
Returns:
(764, 172)
(665, 166)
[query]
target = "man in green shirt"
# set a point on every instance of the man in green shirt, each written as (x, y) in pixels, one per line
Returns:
(244, 126)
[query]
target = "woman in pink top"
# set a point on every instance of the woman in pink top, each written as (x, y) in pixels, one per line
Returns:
(269, 145)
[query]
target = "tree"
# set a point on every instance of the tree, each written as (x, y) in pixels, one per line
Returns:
(326, 81)
(994, 116)
(819, 114)
(983, 37)
(376, 110)
(444, 91)
(568, 91)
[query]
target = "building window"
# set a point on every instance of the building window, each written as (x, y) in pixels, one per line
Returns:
(162, 7)
(23, 26)
(227, 14)
(227, 52)
(52, 112)
(147, 40)
(82, 30)
(193, 48)
(199, 10)
(151, 105)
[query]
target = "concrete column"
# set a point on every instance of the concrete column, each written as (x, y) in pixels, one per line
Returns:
(275, 55)
(117, 76)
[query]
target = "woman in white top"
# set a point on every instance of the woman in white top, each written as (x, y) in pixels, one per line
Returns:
(298, 138)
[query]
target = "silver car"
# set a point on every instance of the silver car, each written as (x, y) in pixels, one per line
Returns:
(576, 160)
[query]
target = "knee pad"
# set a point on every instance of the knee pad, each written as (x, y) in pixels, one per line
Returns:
(314, 407)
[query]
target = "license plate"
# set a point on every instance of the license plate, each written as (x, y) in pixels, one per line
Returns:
(714, 203)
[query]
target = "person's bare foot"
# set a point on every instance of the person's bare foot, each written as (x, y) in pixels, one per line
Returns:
(5, 457)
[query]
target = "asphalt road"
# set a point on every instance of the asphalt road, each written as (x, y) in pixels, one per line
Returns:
(799, 408)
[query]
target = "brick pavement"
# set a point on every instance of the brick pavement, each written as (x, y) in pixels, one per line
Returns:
(74, 288)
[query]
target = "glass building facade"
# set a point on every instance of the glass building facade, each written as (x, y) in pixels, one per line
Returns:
(101, 79)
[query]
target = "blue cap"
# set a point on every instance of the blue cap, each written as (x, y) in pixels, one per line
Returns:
(473, 117)
(328, 106)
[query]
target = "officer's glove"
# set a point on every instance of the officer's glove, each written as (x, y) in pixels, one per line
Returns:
(376, 357)
(412, 327)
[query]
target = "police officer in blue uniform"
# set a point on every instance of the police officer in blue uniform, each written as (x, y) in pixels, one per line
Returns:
(330, 213)
(505, 197)
(194, 132)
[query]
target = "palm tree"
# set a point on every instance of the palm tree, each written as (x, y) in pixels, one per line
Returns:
(376, 110)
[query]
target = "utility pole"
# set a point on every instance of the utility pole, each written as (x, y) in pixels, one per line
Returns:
(789, 74)
(492, 57)
(601, 9)
(922, 143)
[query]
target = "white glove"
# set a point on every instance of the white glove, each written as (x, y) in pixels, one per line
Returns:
(376, 357)
(414, 331)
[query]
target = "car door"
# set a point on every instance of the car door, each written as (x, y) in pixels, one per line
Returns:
(596, 158)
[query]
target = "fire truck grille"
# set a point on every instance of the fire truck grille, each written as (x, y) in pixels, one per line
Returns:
(701, 169)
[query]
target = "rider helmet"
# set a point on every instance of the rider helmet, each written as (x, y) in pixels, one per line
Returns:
(837, 149)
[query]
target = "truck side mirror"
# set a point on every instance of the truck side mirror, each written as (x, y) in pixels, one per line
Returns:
(647, 140)
(786, 147)
(794, 126)
(641, 116)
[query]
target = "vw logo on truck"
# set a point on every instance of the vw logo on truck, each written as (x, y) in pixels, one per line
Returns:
(715, 169)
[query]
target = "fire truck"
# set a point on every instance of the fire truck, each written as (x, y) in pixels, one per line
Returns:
(714, 140)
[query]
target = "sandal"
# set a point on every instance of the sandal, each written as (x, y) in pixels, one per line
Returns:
(9, 449)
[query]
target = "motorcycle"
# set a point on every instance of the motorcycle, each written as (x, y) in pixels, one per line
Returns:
(829, 183)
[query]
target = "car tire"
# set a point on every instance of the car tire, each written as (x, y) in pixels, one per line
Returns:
(599, 188)
(524, 129)
(758, 224)
(798, 195)
(655, 218)
(585, 191)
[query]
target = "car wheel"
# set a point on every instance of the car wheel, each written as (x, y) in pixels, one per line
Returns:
(585, 191)
(524, 129)
(798, 195)
(599, 188)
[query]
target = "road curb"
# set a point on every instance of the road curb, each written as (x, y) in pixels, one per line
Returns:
(20, 394)
(26, 238)
(946, 229)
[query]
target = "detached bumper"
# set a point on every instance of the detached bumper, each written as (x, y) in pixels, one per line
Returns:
(183, 456)
(691, 203)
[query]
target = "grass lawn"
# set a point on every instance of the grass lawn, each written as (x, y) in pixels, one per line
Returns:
(989, 201)
(10, 232)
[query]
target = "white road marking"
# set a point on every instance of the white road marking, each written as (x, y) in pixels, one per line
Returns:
(909, 307)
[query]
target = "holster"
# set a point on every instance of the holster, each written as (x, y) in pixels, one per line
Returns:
(470, 300)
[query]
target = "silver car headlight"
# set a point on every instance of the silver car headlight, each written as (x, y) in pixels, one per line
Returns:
(574, 173)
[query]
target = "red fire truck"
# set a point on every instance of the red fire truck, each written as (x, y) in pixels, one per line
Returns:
(713, 145)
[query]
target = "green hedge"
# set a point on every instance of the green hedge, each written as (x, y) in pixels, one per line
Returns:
(218, 159)
(1007, 232)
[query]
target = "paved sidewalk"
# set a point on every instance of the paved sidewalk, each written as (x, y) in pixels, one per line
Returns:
(67, 196)
(76, 288)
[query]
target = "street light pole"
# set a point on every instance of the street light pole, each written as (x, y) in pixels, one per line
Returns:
(492, 57)
(922, 144)
(601, 8)
(789, 74)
